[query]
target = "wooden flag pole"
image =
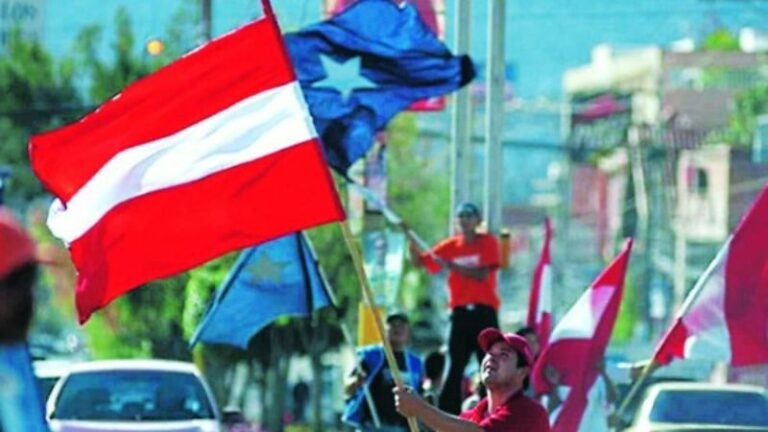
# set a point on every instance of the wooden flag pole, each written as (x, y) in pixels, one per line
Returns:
(368, 296)
(649, 368)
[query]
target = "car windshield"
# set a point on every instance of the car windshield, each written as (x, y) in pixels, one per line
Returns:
(711, 407)
(132, 395)
(46, 385)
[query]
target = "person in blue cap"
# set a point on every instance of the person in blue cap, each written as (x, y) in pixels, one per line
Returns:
(374, 376)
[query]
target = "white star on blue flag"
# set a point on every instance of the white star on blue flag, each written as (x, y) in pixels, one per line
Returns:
(344, 77)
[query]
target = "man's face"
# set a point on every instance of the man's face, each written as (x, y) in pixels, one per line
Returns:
(398, 332)
(467, 222)
(499, 368)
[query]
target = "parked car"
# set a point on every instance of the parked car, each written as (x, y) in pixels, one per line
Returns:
(133, 395)
(689, 406)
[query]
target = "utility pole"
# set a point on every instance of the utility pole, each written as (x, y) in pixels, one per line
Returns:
(461, 161)
(205, 22)
(494, 114)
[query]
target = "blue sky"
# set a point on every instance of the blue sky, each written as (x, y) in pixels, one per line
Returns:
(543, 37)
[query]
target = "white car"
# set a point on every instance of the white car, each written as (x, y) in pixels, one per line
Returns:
(133, 395)
(48, 373)
(696, 406)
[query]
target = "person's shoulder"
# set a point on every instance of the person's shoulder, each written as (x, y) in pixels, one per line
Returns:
(415, 357)
(536, 410)
(527, 404)
(488, 237)
(370, 349)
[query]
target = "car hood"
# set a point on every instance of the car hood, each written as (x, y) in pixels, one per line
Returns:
(697, 427)
(94, 426)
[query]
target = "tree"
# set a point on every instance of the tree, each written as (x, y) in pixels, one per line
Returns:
(721, 39)
(38, 94)
(106, 80)
(742, 121)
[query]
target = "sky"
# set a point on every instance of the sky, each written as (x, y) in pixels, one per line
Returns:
(543, 38)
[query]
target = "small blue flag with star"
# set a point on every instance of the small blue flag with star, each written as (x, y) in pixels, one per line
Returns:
(361, 67)
(281, 277)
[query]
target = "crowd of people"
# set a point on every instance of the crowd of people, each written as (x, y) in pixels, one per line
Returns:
(434, 391)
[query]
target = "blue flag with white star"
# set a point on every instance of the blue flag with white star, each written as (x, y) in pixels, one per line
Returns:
(391, 59)
(278, 278)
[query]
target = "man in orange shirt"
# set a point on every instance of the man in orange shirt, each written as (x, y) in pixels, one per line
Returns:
(472, 259)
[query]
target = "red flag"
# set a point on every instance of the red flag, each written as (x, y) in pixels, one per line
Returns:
(213, 153)
(540, 303)
(578, 343)
(725, 316)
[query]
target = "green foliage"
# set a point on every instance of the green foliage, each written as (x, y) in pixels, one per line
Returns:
(142, 323)
(720, 40)
(742, 122)
(337, 266)
(199, 289)
(37, 94)
(628, 314)
(419, 183)
(423, 200)
(106, 80)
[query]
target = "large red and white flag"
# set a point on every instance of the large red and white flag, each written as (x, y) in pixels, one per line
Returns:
(213, 153)
(577, 345)
(540, 302)
(725, 316)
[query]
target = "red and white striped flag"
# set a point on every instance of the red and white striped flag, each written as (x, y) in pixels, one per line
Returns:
(578, 344)
(725, 316)
(213, 153)
(540, 303)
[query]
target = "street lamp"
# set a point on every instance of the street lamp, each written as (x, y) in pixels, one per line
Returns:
(155, 47)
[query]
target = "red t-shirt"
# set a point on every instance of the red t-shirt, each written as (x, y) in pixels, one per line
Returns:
(517, 414)
(483, 251)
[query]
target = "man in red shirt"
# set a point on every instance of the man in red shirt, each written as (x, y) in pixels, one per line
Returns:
(505, 366)
(472, 259)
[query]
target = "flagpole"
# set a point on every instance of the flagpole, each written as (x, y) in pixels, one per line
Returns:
(687, 304)
(359, 370)
(394, 219)
(344, 330)
(368, 296)
(647, 371)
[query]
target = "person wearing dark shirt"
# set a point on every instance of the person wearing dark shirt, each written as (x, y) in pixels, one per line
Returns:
(373, 373)
(504, 368)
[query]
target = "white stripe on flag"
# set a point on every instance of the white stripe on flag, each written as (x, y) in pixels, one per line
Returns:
(581, 320)
(708, 336)
(545, 293)
(252, 128)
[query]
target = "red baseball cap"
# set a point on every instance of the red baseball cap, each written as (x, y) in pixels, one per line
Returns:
(491, 335)
(16, 246)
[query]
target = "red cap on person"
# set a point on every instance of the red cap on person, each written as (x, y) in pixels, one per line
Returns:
(491, 335)
(16, 247)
